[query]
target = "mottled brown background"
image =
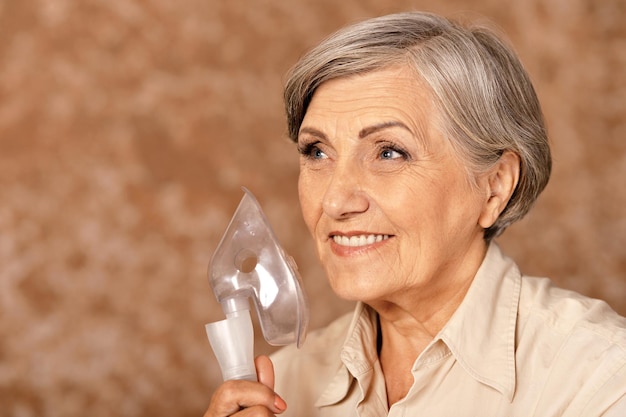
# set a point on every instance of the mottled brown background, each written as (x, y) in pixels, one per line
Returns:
(128, 127)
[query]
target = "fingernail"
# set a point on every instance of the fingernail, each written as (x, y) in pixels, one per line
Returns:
(279, 403)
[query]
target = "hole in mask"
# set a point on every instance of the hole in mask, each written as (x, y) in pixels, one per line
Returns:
(246, 261)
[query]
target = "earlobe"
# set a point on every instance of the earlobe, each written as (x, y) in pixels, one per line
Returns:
(502, 182)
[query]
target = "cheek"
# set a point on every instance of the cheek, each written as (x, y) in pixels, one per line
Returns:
(309, 201)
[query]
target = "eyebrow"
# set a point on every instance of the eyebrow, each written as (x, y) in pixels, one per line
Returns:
(366, 131)
(313, 132)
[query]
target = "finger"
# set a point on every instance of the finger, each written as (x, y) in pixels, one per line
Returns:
(256, 411)
(233, 396)
(265, 374)
(265, 370)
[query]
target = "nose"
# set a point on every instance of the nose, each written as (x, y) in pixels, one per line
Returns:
(345, 195)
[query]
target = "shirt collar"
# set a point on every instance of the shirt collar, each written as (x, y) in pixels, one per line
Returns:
(358, 354)
(481, 333)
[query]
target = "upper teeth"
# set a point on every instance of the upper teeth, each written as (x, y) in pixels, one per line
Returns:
(361, 240)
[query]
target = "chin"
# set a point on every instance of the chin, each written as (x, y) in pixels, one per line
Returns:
(354, 289)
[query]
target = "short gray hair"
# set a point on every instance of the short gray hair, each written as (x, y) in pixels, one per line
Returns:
(487, 100)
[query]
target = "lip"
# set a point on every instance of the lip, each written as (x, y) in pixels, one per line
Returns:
(356, 242)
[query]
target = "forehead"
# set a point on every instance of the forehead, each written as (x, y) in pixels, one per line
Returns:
(395, 93)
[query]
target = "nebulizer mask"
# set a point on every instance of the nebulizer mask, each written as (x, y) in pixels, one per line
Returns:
(249, 267)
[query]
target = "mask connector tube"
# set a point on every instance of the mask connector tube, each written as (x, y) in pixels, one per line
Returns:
(233, 306)
(232, 341)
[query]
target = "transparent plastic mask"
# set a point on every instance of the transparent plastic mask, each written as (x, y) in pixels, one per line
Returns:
(249, 264)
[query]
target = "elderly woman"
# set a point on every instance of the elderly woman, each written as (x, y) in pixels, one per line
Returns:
(420, 141)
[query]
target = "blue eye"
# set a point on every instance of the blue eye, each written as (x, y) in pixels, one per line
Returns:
(311, 151)
(317, 153)
(389, 153)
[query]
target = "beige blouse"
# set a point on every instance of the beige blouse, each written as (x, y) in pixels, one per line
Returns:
(516, 346)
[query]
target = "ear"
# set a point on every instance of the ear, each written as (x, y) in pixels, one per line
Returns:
(501, 184)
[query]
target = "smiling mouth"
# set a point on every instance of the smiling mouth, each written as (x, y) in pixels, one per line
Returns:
(359, 240)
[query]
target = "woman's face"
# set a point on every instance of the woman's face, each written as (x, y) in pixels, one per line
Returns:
(390, 207)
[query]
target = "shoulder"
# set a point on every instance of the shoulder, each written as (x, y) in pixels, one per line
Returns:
(563, 311)
(301, 375)
(574, 345)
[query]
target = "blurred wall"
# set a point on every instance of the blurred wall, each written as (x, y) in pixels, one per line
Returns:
(128, 127)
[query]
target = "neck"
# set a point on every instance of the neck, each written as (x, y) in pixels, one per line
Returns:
(410, 321)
